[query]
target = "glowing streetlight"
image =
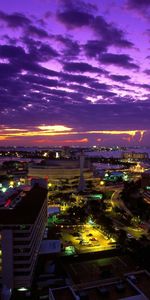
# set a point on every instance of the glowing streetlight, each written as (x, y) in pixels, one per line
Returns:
(102, 182)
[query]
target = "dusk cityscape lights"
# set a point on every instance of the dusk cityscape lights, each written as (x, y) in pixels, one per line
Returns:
(75, 150)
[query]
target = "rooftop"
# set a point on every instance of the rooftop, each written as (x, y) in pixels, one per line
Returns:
(25, 212)
(92, 271)
(142, 282)
(63, 294)
(115, 291)
(50, 246)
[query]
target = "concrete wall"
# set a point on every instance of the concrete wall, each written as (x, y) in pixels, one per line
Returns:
(7, 258)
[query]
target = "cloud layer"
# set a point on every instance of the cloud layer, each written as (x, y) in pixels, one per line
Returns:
(75, 66)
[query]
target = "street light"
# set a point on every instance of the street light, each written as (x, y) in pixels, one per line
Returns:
(102, 182)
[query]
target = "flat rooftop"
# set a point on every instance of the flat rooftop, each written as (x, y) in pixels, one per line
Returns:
(110, 291)
(142, 282)
(63, 294)
(25, 212)
(95, 270)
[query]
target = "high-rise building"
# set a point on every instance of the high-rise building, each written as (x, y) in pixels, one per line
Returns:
(22, 224)
(82, 185)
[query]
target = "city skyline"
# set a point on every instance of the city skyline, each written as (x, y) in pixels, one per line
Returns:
(75, 72)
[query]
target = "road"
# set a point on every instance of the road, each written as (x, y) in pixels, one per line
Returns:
(116, 201)
(147, 197)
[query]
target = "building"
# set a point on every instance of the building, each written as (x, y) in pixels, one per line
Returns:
(132, 286)
(22, 224)
(82, 185)
(135, 156)
(145, 179)
(55, 170)
(14, 167)
(138, 168)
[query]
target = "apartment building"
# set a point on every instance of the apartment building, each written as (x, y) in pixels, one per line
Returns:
(22, 223)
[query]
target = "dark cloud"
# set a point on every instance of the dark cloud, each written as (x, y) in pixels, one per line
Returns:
(40, 80)
(37, 32)
(88, 91)
(76, 78)
(36, 53)
(71, 47)
(39, 51)
(106, 94)
(109, 33)
(57, 96)
(37, 69)
(16, 66)
(9, 40)
(147, 72)
(43, 53)
(121, 78)
(74, 18)
(81, 68)
(93, 48)
(83, 89)
(142, 6)
(7, 51)
(99, 86)
(15, 20)
(122, 60)
(76, 13)
(145, 86)
(78, 5)
(8, 70)
(79, 116)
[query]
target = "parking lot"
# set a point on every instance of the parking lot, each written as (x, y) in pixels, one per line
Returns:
(85, 238)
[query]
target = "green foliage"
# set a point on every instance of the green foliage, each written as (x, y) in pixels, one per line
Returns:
(133, 199)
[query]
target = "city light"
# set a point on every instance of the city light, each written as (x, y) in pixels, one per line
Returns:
(91, 222)
(57, 155)
(11, 184)
(22, 289)
(69, 250)
(45, 154)
(102, 182)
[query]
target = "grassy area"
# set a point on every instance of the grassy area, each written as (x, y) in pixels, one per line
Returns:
(108, 194)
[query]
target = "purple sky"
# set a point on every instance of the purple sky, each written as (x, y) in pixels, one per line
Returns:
(75, 72)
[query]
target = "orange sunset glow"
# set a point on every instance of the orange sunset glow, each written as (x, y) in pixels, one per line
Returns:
(62, 130)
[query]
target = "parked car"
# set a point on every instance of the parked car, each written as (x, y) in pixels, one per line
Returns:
(93, 239)
(130, 236)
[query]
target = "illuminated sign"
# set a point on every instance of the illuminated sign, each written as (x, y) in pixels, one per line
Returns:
(97, 197)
